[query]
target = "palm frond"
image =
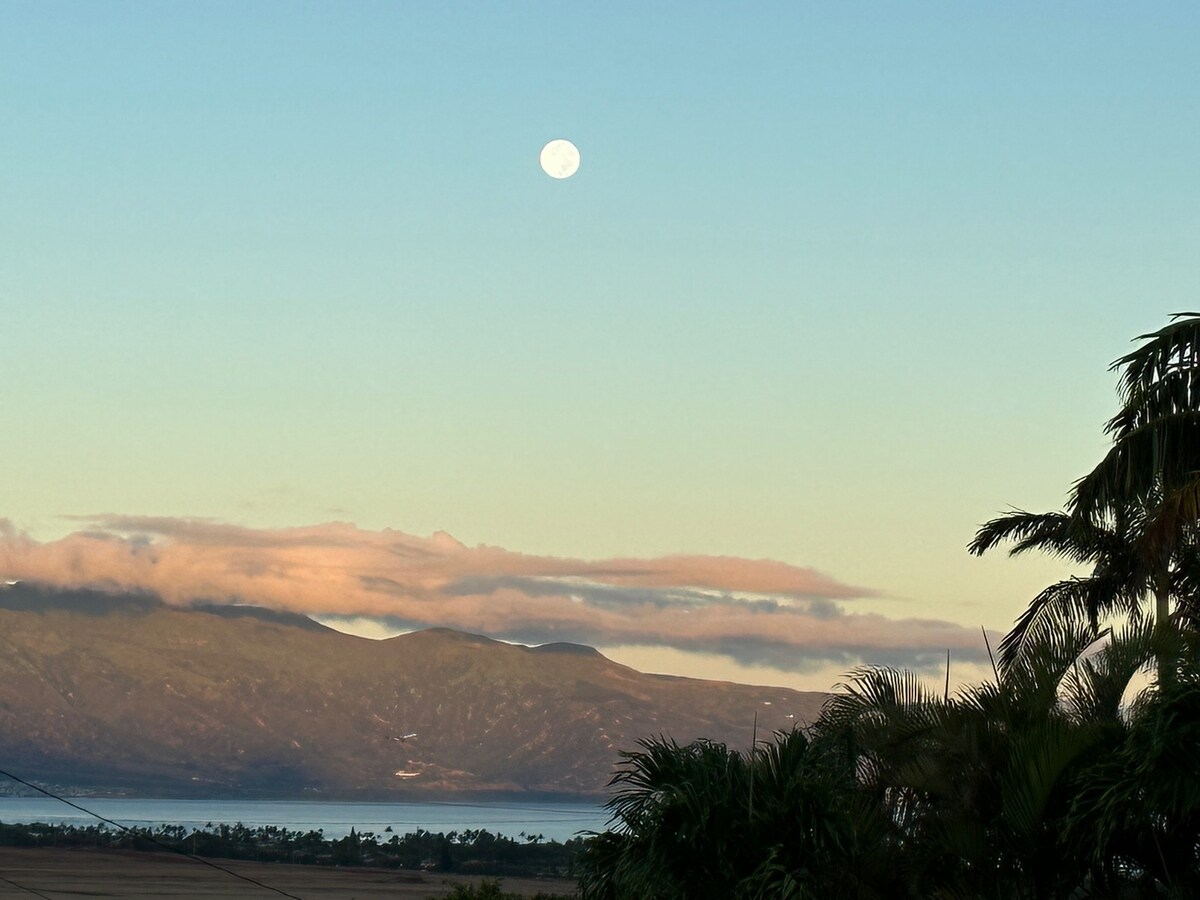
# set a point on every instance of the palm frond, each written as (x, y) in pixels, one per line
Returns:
(1173, 348)
(1175, 391)
(1032, 678)
(876, 697)
(1161, 455)
(1064, 608)
(1037, 761)
(1170, 525)
(1069, 537)
(1094, 688)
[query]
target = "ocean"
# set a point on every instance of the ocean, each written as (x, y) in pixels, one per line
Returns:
(553, 821)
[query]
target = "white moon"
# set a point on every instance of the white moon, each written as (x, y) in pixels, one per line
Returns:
(560, 159)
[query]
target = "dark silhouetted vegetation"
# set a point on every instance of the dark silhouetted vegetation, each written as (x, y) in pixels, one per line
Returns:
(1073, 774)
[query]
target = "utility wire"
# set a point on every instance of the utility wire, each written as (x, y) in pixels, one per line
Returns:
(149, 837)
(21, 887)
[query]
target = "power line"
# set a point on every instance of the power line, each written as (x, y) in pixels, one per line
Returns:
(149, 837)
(21, 887)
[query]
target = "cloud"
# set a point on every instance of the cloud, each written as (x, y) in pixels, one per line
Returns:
(756, 612)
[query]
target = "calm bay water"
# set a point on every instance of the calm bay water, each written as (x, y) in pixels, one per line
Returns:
(554, 821)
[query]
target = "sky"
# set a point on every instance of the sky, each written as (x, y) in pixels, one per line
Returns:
(292, 316)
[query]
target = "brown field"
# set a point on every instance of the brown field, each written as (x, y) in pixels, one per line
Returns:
(62, 874)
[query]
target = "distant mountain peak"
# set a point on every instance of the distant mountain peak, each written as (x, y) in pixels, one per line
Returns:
(454, 634)
(32, 596)
(124, 692)
(567, 648)
(278, 617)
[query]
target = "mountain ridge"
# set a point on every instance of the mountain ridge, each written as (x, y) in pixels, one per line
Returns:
(125, 693)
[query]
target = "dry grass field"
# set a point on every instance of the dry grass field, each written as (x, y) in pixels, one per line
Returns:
(63, 874)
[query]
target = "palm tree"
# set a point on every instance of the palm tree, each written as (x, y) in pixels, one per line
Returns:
(993, 792)
(1155, 459)
(1135, 518)
(703, 821)
(1156, 434)
(1042, 784)
(675, 837)
(1116, 585)
(1138, 809)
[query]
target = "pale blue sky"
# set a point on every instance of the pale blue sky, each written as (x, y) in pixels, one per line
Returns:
(834, 284)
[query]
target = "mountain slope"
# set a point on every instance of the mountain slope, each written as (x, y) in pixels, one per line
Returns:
(126, 693)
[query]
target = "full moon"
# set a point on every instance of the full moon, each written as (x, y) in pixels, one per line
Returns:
(560, 159)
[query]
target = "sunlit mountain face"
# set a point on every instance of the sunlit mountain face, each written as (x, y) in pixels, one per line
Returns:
(122, 692)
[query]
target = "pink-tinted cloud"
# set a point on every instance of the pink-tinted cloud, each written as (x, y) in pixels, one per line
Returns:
(758, 611)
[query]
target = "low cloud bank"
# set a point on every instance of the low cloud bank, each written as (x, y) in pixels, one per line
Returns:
(755, 612)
